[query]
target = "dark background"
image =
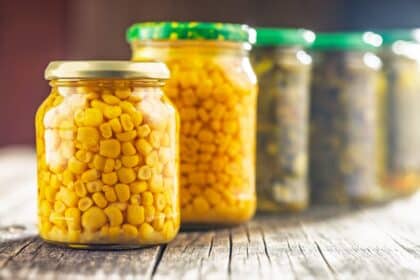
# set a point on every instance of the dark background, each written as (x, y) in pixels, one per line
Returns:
(32, 33)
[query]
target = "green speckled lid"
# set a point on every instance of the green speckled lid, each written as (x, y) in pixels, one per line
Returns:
(191, 31)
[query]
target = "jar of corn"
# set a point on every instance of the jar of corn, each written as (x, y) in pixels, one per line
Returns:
(213, 86)
(107, 152)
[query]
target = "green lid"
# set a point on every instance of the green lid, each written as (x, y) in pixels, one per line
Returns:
(191, 31)
(352, 41)
(391, 36)
(284, 37)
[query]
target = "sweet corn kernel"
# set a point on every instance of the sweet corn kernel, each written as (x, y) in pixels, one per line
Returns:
(128, 149)
(72, 216)
(158, 222)
(135, 199)
(152, 158)
(110, 195)
(144, 173)
(85, 203)
(80, 189)
(93, 219)
(57, 219)
(126, 122)
(130, 161)
(143, 131)
(160, 201)
(59, 206)
(127, 107)
(126, 175)
(149, 213)
(76, 166)
(118, 164)
(45, 208)
(129, 231)
(115, 217)
(110, 148)
(99, 200)
(93, 117)
(156, 183)
(138, 187)
(89, 175)
(137, 118)
(147, 198)
(67, 196)
(127, 136)
(135, 214)
(115, 125)
(109, 178)
(109, 165)
(146, 232)
(123, 192)
(110, 99)
(88, 136)
(99, 162)
(83, 156)
(143, 146)
(112, 112)
(123, 93)
(106, 130)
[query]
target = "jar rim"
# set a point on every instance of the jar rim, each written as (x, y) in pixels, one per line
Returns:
(106, 69)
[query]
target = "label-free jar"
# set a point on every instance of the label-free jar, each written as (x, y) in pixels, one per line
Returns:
(283, 69)
(214, 88)
(107, 151)
(346, 110)
(400, 54)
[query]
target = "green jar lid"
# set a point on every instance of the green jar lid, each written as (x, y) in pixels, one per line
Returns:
(191, 31)
(284, 37)
(391, 36)
(351, 41)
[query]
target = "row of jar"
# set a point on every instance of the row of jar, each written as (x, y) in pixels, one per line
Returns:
(126, 151)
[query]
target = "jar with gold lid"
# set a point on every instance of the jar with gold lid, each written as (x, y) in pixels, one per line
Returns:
(107, 150)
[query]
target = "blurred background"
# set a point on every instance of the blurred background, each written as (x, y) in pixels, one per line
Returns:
(32, 33)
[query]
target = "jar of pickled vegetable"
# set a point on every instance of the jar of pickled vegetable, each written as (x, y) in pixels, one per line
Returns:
(401, 55)
(345, 112)
(213, 87)
(107, 154)
(283, 71)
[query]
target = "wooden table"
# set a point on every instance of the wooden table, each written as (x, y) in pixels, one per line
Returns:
(381, 242)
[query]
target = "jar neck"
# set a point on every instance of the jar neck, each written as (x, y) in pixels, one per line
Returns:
(153, 49)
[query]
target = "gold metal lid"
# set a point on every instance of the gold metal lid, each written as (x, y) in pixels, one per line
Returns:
(107, 69)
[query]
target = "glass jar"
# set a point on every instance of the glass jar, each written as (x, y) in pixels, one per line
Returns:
(401, 166)
(283, 71)
(214, 89)
(345, 112)
(107, 152)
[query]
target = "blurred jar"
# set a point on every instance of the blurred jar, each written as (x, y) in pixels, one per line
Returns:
(283, 71)
(401, 165)
(345, 118)
(214, 89)
(107, 153)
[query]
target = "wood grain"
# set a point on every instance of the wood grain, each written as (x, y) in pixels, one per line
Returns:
(380, 242)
